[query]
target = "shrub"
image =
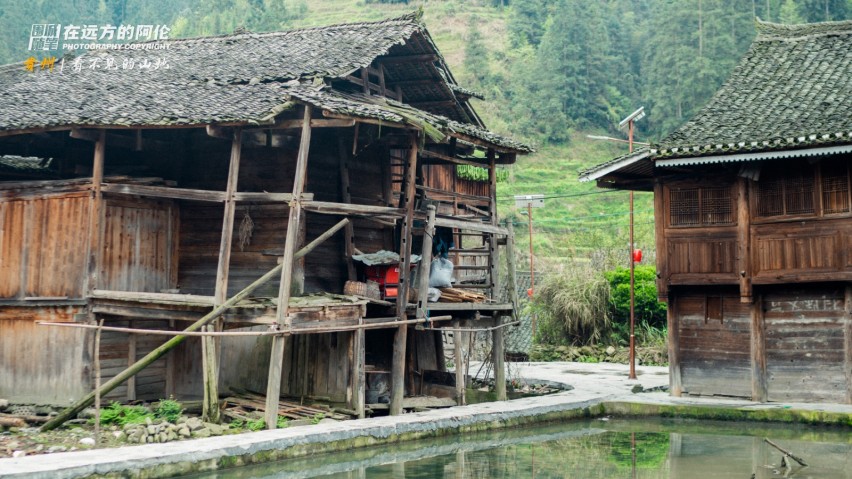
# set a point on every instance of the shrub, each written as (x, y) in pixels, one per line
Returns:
(168, 409)
(646, 307)
(572, 307)
(120, 415)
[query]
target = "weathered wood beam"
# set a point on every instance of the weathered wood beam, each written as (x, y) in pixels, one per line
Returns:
(198, 195)
(331, 208)
(188, 299)
(414, 82)
(471, 226)
(758, 351)
(428, 57)
(510, 268)
(96, 213)
(273, 388)
(400, 338)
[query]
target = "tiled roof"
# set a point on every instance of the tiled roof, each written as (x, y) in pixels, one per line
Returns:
(242, 78)
(793, 89)
(25, 166)
(385, 109)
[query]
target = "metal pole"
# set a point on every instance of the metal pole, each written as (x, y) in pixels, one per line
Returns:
(632, 374)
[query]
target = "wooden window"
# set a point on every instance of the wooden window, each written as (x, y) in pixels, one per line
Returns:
(701, 206)
(835, 187)
(787, 190)
(804, 189)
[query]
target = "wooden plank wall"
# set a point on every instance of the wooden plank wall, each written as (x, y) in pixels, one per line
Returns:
(261, 169)
(139, 248)
(43, 246)
(444, 177)
(317, 365)
(43, 364)
(714, 343)
(802, 248)
(805, 344)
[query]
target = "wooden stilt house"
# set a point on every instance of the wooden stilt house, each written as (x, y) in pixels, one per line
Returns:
(754, 223)
(145, 197)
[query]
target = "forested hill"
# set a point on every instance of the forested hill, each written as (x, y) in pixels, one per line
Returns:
(551, 70)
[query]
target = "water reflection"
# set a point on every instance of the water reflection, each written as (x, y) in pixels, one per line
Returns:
(586, 450)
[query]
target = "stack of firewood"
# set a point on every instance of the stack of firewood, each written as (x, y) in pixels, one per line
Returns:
(456, 295)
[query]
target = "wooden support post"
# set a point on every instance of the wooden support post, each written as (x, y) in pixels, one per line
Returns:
(131, 358)
(493, 263)
(458, 361)
(425, 264)
(511, 272)
(847, 336)
(359, 377)
(400, 338)
(209, 344)
(346, 196)
(170, 344)
(660, 221)
(282, 319)
(499, 358)
(743, 239)
(673, 325)
(759, 391)
(96, 213)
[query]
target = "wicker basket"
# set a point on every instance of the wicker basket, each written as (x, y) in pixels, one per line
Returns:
(370, 289)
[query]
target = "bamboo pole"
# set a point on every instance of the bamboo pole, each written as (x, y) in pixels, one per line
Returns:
(157, 353)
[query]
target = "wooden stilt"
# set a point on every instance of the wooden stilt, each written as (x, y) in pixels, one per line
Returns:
(400, 338)
(210, 345)
(131, 358)
(673, 324)
(458, 361)
(273, 386)
(758, 351)
(499, 358)
(170, 344)
(425, 264)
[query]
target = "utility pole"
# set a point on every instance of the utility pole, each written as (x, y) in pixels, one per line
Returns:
(629, 122)
(530, 201)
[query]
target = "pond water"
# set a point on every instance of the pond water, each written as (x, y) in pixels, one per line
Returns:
(597, 448)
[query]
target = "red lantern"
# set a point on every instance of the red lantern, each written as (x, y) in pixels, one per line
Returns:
(530, 292)
(637, 255)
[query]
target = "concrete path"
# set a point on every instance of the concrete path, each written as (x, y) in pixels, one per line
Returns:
(594, 387)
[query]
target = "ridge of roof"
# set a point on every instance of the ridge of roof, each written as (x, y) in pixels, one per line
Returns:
(412, 18)
(769, 31)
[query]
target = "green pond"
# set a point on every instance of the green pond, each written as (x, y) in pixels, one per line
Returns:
(600, 448)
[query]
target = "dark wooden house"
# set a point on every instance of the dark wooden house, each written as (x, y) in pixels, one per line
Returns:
(754, 223)
(145, 197)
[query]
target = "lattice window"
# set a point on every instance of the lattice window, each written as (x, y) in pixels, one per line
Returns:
(717, 206)
(684, 207)
(789, 190)
(835, 187)
(701, 207)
